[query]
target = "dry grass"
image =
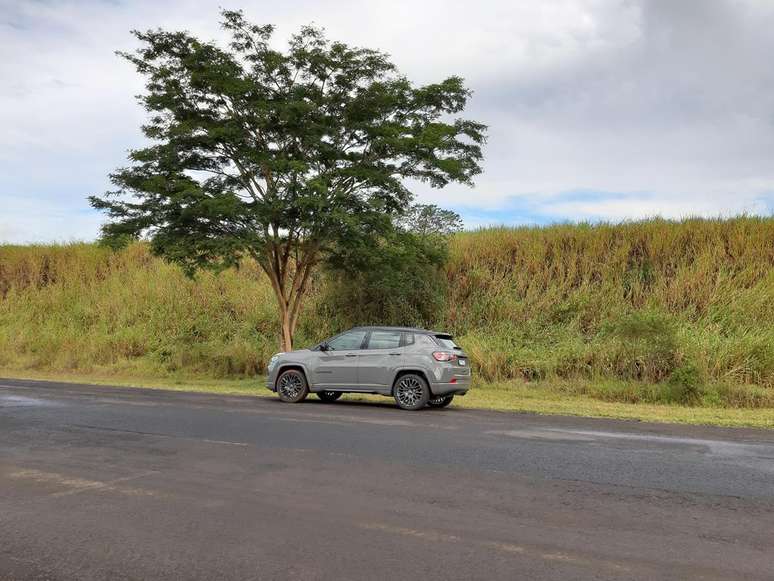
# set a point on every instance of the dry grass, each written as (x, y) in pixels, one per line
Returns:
(632, 301)
(645, 313)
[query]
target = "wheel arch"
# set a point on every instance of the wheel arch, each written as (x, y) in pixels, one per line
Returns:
(292, 365)
(410, 370)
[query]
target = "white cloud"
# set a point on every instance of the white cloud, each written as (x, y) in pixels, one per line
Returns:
(26, 220)
(671, 99)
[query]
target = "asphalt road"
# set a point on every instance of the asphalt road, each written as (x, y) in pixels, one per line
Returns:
(117, 483)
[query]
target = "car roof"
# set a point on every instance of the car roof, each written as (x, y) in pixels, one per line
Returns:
(402, 329)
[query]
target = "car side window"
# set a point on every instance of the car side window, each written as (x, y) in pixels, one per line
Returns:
(384, 340)
(347, 341)
(425, 341)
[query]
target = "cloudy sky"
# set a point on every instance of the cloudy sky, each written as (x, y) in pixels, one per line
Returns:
(598, 109)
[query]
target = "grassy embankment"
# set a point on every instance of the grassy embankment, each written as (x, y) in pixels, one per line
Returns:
(653, 320)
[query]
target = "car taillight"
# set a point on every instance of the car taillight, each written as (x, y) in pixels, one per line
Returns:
(443, 356)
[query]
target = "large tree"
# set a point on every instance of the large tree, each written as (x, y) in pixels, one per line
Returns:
(282, 156)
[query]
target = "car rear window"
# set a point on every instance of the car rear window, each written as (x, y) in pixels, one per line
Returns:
(384, 340)
(446, 342)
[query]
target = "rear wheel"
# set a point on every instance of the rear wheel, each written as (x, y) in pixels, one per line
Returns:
(329, 396)
(291, 386)
(411, 392)
(441, 401)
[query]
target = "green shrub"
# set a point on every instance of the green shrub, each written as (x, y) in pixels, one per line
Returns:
(398, 282)
(685, 385)
(644, 345)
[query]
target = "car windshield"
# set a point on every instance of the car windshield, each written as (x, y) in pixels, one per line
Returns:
(446, 342)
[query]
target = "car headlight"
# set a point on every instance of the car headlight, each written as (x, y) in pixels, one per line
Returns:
(273, 360)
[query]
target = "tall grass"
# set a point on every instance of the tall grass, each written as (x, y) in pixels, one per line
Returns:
(630, 301)
(671, 304)
(80, 307)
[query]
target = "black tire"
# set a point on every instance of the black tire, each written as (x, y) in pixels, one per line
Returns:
(411, 392)
(441, 401)
(329, 396)
(292, 386)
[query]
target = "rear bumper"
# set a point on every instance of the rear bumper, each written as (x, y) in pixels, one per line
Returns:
(455, 385)
(448, 389)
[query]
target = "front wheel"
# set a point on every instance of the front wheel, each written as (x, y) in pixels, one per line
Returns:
(411, 392)
(329, 396)
(291, 386)
(441, 401)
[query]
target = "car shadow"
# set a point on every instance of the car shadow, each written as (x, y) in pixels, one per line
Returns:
(386, 404)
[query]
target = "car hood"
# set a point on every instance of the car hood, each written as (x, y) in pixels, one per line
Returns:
(295, 351)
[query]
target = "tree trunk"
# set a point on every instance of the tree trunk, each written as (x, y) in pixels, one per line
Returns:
(290, 285)
(287, 330)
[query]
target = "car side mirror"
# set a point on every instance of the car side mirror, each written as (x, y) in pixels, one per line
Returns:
(324, 346)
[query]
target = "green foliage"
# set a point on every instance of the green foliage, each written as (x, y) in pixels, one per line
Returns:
(403, 284)
(396, 279)
(430, 221)
(277, 156)
(646, 345)
(685, 383)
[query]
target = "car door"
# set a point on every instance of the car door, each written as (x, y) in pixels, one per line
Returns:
(337, 367)
(377, 363)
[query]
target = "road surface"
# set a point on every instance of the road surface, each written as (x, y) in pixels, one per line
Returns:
(123, 483)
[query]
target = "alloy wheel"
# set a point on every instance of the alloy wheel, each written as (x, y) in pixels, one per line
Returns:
(409, 391)
(290, 385)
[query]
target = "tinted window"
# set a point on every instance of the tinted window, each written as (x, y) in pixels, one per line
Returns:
(384, 340)
(446, 342)
(347, 341)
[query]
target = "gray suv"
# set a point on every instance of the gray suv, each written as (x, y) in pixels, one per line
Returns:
(415, 366)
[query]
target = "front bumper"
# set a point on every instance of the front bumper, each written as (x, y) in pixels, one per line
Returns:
(271, 379)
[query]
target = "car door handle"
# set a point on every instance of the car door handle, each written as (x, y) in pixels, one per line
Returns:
(351, 355)
(394, 353)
